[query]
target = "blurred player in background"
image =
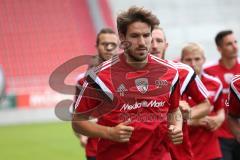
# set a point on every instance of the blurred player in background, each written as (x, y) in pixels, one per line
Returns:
(190, 86)
(202, 134)
(159, 42)
(133, 78)
(225, 69)
(107, 46)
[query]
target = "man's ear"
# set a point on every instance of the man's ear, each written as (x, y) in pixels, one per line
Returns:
(166, 46)
(219, 49)
(204, 58)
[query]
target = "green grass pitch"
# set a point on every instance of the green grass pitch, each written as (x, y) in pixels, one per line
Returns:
(45, 141)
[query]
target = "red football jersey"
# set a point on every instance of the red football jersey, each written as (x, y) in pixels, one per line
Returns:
(234, 97)
(144, 95)
(91, 147)
(205, 144)
(225, 75)
(191, 86)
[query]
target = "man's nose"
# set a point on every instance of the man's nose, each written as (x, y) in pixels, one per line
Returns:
(141, 40)
(154, 44)
(235, 46)
(192, 63)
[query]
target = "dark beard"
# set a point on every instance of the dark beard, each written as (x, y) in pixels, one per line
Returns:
(133, 57)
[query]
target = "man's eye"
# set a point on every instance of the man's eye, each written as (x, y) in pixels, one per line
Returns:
(146, 35)
(159, 40)
(197, 59)
(134, 36)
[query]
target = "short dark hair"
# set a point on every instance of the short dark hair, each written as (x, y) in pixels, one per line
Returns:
(134, 14)
(219, 37)
(104, 31)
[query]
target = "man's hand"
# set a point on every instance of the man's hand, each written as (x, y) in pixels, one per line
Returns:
(185, 109)
(83, 140)
(121, 132)
(213, 123)
(175, 134)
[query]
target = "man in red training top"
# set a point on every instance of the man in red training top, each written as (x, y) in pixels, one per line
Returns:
(135, 88)
(202, 134)
(107, 46)
(224, 69)
(190, 85)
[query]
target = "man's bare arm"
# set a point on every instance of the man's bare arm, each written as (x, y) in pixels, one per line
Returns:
(175, 121)
(119, 133)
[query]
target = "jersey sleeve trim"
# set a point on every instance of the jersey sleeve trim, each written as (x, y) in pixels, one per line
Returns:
(216, 80)
(94, 78)
(174, 82)
(190, 75)
(201, 87)
(84, 86)
(234, 89)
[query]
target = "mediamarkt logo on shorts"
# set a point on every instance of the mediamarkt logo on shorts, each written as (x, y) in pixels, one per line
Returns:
(136, 105)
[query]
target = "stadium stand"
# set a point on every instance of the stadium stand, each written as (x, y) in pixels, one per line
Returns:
(38, 36)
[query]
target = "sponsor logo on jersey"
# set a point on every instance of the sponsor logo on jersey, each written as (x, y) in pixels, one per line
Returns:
(145, 104)
(142, 85)
(160, 83)
(122, 89)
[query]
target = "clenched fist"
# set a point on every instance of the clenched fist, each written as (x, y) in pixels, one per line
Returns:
(175, 134)
(120, 133)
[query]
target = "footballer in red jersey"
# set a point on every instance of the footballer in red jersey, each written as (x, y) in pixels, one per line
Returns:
(131, 86)
(147, 111)
(204, 140)
(205, 144)
(159, 42)
(225, 69)
(190, 85)
(224, 72)
(106, 45)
